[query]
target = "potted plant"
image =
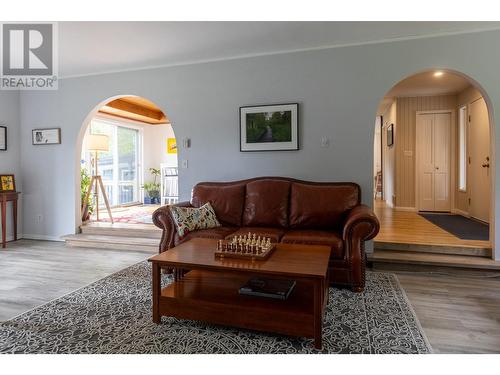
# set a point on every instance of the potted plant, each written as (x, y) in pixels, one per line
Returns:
(86, 206)
(152, 188)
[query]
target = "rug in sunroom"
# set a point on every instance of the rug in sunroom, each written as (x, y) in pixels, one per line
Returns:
(113, 315)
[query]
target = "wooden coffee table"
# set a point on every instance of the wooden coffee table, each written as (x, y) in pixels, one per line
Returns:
(206, 288)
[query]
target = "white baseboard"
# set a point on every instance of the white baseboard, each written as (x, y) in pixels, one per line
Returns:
(41, 237)
(408, 209)
(11, 237)
(459, 212)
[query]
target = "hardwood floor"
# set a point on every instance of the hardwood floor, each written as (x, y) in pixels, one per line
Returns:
(410, 228)
(459, 312)
(35, 272)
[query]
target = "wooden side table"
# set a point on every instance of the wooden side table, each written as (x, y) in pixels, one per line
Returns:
(10, 196)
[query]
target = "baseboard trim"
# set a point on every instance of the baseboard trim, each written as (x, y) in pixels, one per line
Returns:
(9, 238)
(460, 212)
(408, 209)
(42, 237)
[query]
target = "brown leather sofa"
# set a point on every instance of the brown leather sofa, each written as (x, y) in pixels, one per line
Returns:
(288, 211)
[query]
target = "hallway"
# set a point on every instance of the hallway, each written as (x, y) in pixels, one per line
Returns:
(406, 227)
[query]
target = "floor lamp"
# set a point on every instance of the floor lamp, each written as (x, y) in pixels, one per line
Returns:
(96, 143)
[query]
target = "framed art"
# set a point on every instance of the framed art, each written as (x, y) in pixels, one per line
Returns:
(390, 135)
(273, 127)
(3, 138)
(7, 183)
(46, 136)
(171, 146)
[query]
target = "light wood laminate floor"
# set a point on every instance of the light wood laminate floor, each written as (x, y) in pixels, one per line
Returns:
(410, 228)
(35, 272)
(459, 313)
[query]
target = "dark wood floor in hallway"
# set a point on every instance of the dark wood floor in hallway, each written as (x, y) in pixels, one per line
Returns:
(460, 313)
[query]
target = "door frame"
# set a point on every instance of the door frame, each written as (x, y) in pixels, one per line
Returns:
(452, 176)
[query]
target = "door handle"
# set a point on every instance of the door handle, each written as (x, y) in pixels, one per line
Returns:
(487, 165)
(437, 168)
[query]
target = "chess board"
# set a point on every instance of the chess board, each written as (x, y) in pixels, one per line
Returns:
(245, 247)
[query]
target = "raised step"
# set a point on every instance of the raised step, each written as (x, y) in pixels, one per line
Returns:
(122, 230)
(380, 257)
(149, 245)
(469, 250)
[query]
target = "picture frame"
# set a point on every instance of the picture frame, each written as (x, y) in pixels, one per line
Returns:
(171, 146)
(7, 183)
(390, 135)
(3, 138)
(48, 136)
(269, 127)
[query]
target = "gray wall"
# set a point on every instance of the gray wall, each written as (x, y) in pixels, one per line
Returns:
(10, 160)
(338, 90)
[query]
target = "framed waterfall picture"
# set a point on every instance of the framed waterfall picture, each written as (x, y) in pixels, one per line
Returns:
(273, 127)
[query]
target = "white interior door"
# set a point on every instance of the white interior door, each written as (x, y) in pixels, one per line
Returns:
(479, 167)
(425, 153)
(433, 161)
(442, 143)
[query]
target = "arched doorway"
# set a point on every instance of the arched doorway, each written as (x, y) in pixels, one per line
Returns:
(129, 144)
(434, 166)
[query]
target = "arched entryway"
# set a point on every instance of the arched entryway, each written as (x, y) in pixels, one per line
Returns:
(434, 164)
(126, 157)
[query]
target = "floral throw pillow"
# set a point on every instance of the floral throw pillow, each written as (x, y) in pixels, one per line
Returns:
(188, 219)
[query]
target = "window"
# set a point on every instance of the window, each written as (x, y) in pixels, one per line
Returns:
(462, 148)
(118, 166)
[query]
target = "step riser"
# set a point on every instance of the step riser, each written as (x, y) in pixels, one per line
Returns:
(434, 249)
(110, 245)
(121, 232)
(454, 270)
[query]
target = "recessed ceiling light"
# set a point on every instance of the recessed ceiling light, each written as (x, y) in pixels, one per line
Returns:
(438, 74)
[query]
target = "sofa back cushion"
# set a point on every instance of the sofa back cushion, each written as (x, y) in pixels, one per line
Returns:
(324, 206)
(226, 199)
(266, 203)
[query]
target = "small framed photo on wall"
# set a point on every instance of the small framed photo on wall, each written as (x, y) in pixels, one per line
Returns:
(390, 135)
(3, 138)
(7, 183)
(46, 136)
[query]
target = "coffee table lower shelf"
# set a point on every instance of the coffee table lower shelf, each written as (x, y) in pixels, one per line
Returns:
(212, 296)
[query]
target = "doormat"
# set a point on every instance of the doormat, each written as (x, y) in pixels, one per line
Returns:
(460, 226)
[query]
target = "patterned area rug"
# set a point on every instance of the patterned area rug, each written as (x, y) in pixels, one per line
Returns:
(113, 315)
(130, 215)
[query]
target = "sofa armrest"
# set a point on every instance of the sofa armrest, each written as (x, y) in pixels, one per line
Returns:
(361, 222)
(361, 225)
(163, 220)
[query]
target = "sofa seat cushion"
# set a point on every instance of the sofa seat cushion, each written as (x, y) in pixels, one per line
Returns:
(266, 204)
(317, 237)
(274, 234)
(321, 206)
(218, 233)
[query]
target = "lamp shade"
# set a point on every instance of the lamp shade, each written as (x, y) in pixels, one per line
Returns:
(97, 142)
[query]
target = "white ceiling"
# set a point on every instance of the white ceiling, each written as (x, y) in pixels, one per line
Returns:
(424, 84)
(99, 47)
